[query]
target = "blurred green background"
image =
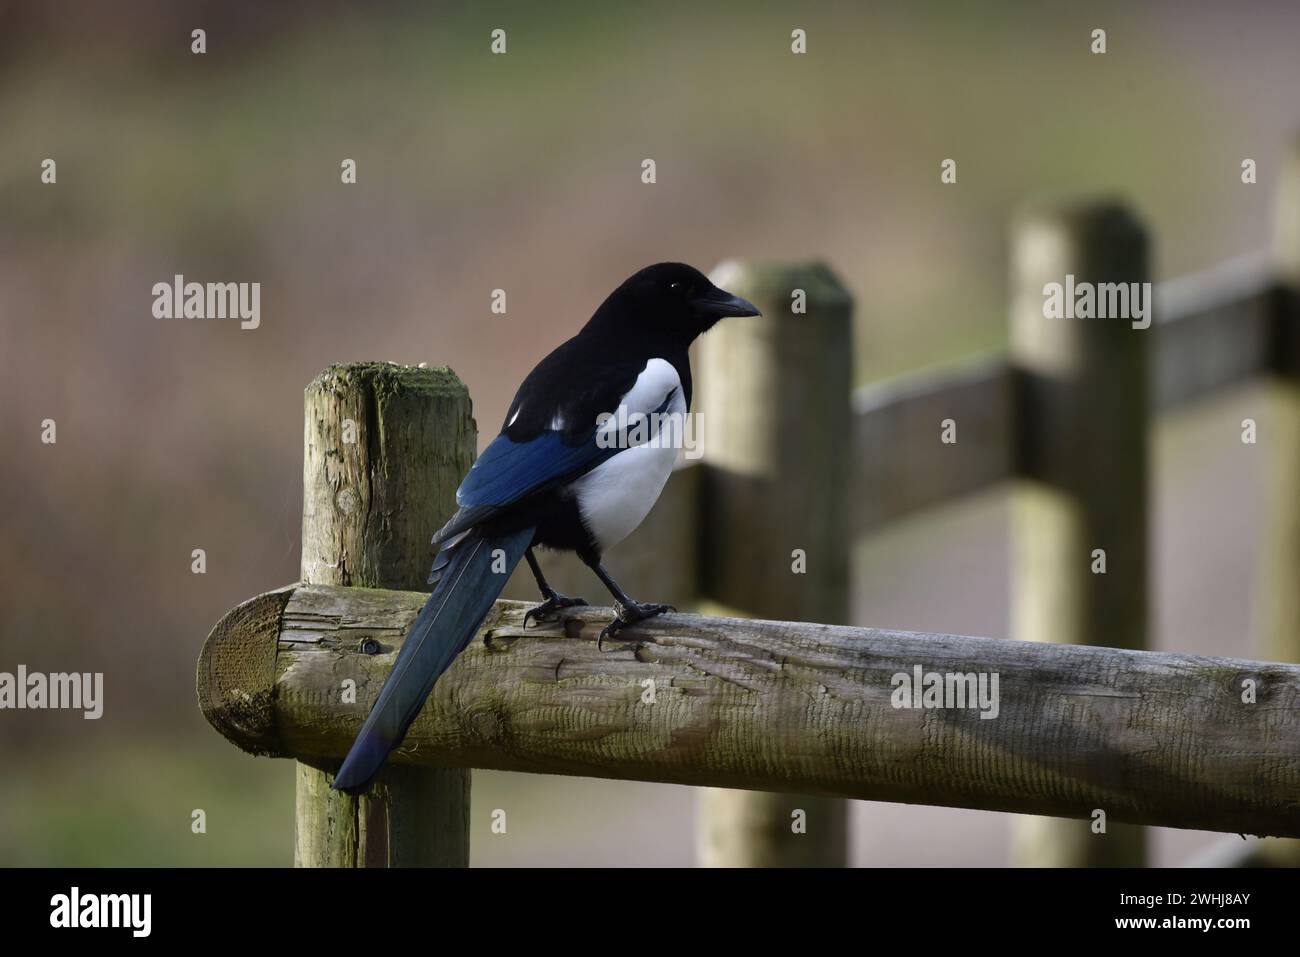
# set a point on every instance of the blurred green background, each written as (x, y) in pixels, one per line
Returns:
(522, 172)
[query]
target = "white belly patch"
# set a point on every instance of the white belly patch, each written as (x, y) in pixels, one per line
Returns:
(617, 495)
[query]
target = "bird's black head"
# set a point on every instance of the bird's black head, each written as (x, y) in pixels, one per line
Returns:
(671, 300)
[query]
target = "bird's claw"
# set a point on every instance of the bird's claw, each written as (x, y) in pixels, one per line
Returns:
(546, 611)
(629, 615)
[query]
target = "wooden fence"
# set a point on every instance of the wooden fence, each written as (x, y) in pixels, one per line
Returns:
(795, 466)
(750, 703)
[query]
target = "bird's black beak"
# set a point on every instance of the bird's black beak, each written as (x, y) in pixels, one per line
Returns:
(718, 304)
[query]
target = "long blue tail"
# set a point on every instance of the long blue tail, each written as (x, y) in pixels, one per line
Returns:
(467, 586)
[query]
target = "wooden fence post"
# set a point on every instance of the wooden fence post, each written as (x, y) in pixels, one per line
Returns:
(775, 397)
(384, 449)
(1281, 573)
(1279, 598)
(1081, 411)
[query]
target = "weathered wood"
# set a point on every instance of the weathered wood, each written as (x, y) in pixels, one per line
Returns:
(1211, 330)
(1280, 599)
(372, 504)
(1081, 430)
(1151, 738)
(384, 448)
(899, 464)
(775, 403)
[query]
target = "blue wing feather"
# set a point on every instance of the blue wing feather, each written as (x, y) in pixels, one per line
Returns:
(507, 471)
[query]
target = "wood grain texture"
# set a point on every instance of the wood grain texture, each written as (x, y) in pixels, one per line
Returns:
(384, 449)
(1080, 439)
(1151, 738)
(372, 504)
(235, 659)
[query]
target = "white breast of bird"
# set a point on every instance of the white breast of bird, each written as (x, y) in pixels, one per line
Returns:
(616, 496)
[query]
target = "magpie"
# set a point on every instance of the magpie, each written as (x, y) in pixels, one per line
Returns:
(578, 464)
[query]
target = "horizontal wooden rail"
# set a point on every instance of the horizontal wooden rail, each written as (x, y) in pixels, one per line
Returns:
(1147, 738)
(899, 466)
(1212, 330)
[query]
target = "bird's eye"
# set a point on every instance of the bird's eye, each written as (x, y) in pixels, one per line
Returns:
(675, 286)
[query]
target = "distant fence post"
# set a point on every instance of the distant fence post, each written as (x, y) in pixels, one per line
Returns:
(1081, 412)
(1281, 574)
(1279, 601)
(776, 406)
(384, 448)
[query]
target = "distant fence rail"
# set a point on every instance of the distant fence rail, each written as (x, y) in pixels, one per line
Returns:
(1212, 330)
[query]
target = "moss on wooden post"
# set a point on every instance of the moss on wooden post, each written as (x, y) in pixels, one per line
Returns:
(777, 417)
(384, 449)
(1080, 515)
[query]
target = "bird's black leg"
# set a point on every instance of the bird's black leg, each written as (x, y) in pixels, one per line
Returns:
(629, 611)
(554, 600)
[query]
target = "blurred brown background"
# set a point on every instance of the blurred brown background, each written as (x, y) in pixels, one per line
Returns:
(523, 172)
